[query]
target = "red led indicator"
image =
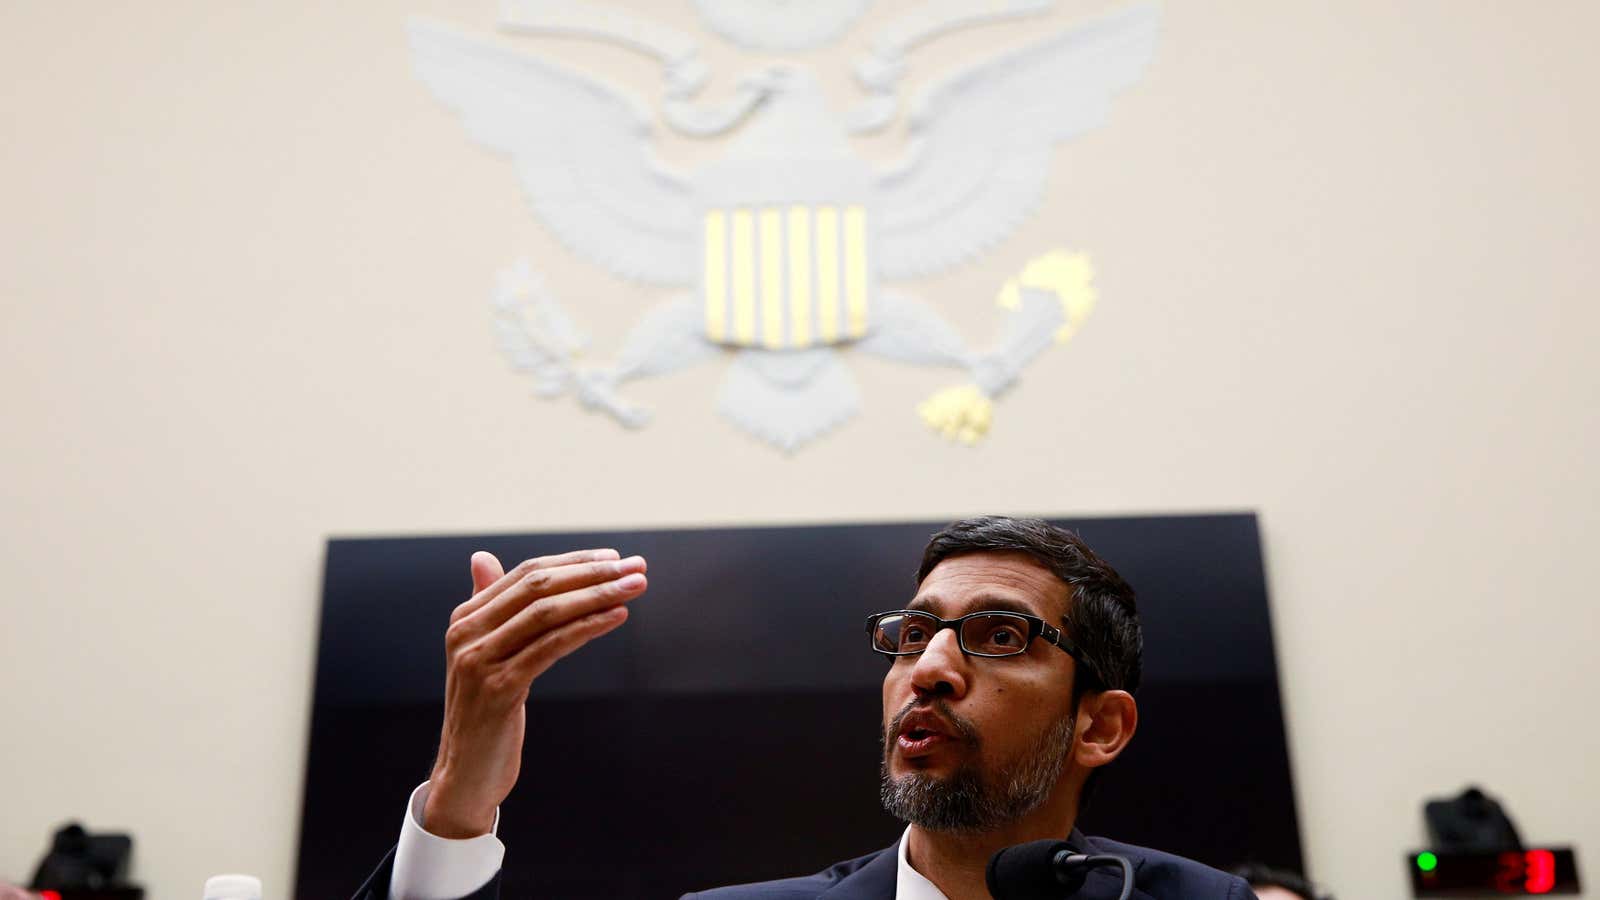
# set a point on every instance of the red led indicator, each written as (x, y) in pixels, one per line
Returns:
(49, 895)
(1541, 868)
(1533, 872)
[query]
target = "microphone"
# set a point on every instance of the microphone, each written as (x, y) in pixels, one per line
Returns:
(1047, 870)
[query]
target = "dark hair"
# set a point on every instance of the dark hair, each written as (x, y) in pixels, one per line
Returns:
(1102, 617)
(1262, 876)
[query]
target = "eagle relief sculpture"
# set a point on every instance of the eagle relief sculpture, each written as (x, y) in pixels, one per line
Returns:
(782, 254)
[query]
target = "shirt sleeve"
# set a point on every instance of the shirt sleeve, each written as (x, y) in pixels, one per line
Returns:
(429, 867)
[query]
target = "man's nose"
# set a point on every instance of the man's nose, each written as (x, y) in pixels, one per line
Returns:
(941, 669)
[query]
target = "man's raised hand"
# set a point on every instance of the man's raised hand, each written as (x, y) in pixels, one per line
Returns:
(515, 626)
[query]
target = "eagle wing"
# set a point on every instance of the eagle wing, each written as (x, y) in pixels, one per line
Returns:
(982, 139)
(582, 150)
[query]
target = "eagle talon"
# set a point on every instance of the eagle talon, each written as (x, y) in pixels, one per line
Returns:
(959, 413)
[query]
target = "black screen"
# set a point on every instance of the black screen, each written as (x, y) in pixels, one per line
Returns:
(672, 756)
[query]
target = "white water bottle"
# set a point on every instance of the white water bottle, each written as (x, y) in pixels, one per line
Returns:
(233, 887)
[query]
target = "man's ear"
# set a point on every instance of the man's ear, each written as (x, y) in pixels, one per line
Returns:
(1106, 722)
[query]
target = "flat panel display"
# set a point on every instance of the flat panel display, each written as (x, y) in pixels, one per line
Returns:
(712, 740)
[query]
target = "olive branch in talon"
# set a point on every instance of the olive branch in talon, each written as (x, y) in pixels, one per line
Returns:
(539, 338)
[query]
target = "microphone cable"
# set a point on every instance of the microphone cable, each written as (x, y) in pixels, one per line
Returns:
(1089, 861)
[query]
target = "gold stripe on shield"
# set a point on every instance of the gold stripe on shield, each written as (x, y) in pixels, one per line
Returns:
(716, 275)
(828, 273)
(772, 278)
(744, 277)
(855, 268)
(799, 277)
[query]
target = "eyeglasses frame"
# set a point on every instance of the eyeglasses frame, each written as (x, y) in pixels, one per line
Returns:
(1037, 628)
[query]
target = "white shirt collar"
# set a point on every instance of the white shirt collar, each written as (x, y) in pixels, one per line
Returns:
(908, 882)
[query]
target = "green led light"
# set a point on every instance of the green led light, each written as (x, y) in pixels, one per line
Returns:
(1427, 862)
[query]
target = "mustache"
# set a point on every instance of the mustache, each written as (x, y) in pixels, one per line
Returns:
(967, 731)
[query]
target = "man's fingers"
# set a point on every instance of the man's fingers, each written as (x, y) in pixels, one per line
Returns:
(531, 623)
(540, 563)
(500, 583)
(540, 584)
(486, 570)
(534, 659)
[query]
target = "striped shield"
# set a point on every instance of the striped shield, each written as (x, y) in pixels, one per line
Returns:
(786, 277)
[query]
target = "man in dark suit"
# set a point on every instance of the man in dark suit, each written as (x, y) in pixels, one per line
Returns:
(1012, 683)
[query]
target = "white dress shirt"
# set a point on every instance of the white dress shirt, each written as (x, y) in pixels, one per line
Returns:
(428, 867)
(908, 882)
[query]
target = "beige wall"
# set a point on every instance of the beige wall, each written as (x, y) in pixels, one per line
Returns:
(1347, 259)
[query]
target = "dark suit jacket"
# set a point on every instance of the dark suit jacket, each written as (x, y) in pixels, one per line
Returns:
(1156, 876)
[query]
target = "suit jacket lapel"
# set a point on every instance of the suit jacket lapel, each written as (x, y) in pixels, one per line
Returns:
(873, 881)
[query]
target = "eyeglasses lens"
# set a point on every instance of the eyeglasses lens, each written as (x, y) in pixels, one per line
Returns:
(995, 635)
(903, 632)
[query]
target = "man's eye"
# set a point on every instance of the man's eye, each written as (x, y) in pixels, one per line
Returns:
(912, 634)
(1005, 636)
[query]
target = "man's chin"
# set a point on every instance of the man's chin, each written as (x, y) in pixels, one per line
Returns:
(933, 796)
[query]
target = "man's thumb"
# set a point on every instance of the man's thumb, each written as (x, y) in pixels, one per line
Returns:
(486, 570)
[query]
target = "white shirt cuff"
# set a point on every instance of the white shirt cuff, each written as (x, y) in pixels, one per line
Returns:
(428, 867)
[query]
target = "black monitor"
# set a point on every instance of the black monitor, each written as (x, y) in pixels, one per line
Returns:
(684, 751)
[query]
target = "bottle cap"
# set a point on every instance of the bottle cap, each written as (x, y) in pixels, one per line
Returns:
(233, 887)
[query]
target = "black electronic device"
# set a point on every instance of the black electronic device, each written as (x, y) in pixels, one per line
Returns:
(1532, 871)
(1477, 852)
(1470, 822)
(84, 866)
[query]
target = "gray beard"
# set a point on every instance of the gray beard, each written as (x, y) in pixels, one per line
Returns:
(966, 801)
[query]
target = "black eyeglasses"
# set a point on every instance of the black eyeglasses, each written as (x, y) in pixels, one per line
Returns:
(907, 632)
